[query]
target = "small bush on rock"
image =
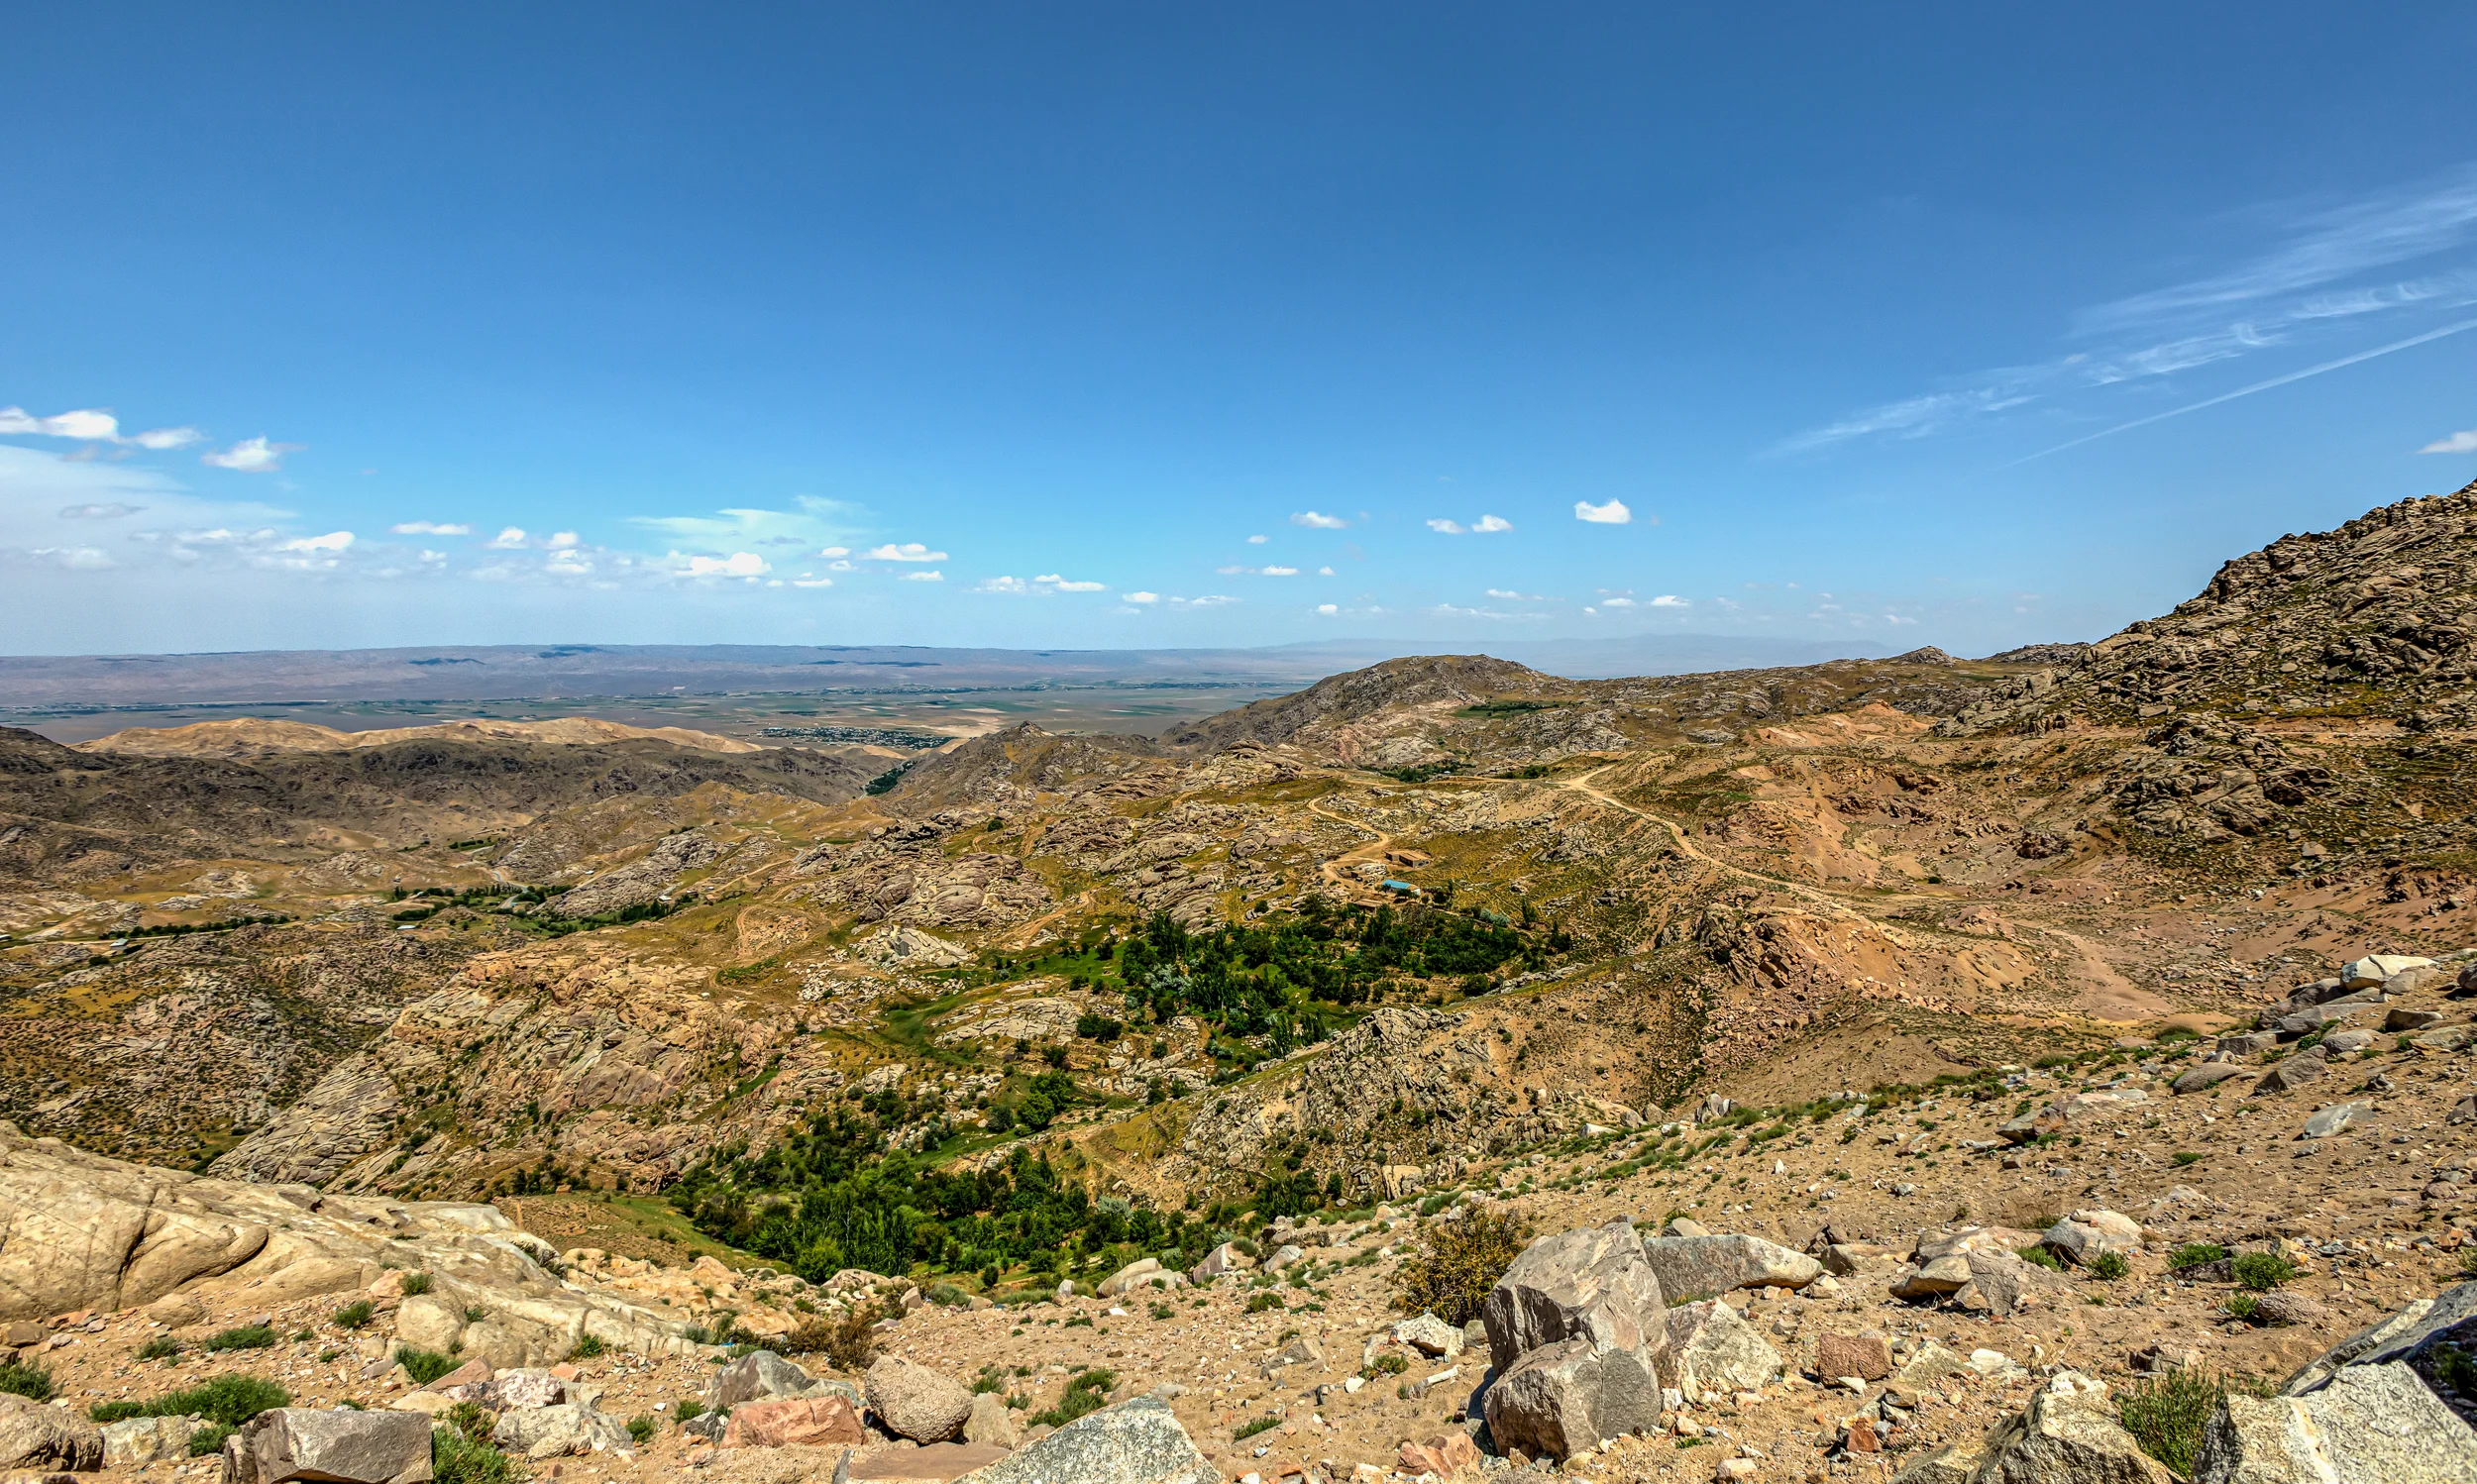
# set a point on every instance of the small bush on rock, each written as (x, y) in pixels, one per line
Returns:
(586, 1348)
(354, 1315)
(2038, 1254)
(415, 1284)
(1085, 1394)
(2166, 1415)
(425, 1366)
(458, 1460)
(2194, 1254)
(228, 1400)
(1463, 1260)
(2262, 1271)
(2110, 1266)
(208, 1440)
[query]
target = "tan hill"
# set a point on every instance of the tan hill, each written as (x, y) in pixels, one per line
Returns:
(244, 735)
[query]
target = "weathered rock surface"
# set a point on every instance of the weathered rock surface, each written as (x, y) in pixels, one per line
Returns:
(916, 1401)
(991, 1423)
(1593, 1283)
(1712, 1349)
(795, 1422)
(557, 1432)
(764, 1376)
(2068, 1434)
(1866, 1357)
(1561, 1399)
(338, 1448)
(1135, 1442)
(33, 1435)
(136, 1441)
(1710, 1267)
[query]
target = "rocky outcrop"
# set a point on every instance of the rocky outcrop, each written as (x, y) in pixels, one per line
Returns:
(1560, 1400)
(2068, 1434)
(332, 1447)
(1705, 1267)
(1579, 1335)
(2389, 1404)
(33, 1435)
(1711, 1349)
(1136, 1441)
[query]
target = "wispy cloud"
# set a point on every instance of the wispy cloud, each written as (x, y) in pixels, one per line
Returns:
(1613, 513)
(1317, 520)
(116, 509)
(433, 528)
(1039, 586)
(1509, 594)
(1258, 540)
(2463, 442)
(250, 455)
(924, 576)
(744, 564)
(910, 551)
(91, 425)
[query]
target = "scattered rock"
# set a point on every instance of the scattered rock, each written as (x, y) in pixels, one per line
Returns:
(556, 1432)
(990, 1423)
(2294, 1073)
(1430, 1336)
(1593, 1282)
(1712, 1349)
(916, 1401)
(2209, 1075)
(33, 1435)
(1866, 1357)
(136, 1441)
(2332, 1119)
(2085, 1234)
(2404, 1018)
(795, 1422)
(2068, 1434)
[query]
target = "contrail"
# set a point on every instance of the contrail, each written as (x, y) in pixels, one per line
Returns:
(2246, 391)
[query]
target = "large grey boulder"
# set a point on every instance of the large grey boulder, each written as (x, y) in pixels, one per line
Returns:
(916, 1401)
(338, 1448)
(2369, 1425)
(2294, 1073)
(1136, 1441)
(1591, 1282)
(1705, 1267)
(1560, 1400)
(2000, 1283)
(2068, 1434)
(556, 1432)
(2209, 1075)
(1712, 1349)
(2086, 1234)
(33, 1435)
(991, 1424)
(428, 1322)
(136, 1441)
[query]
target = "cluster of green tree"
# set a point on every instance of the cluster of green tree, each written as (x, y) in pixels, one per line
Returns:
(832, 1196)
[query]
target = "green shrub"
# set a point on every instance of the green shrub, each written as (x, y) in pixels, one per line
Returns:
(415, 1283)
(2110, 1266)
(245, 1338)
(1248, 1430)
(2262, 1271)
(1387, 1364)
(458, 1460)
(1085, 1395)
(947, 1295)
(2194, 1254)
(208, 1440)
(2240, 1306)
(2187, 1157)
(1463, 1260)
(228, 1400)
(586, 1348)
(688, 1412)
(2037, 1254)
(27, 1380)
(354, 1315)
(1258, 1303)
(2165, 1413)
(161, 1347)
(642, 1427)
(425, 1366)
(699, 1334)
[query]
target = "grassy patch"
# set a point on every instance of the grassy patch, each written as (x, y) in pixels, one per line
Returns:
(425, 1366)
(2194, 1254)
(354, 1315)
(2166, 1415)
(245, 1338)
(1248, 1430)
(226, 1400)
(2262, 1271)
(1085, 1394)
(1462, 1262)
(19, 1378)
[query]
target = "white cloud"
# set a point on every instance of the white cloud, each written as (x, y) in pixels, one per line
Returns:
(1324, 571)
(80, 558)
(112, 511)
(1258, 540)
(2458, 443)
(333, 541)
(1615, 602)
(1490, 525)
(736, 565)
(1448, 610)
(1210, 601)
(510, 538)
(924, 576)
(1445, 527)
(1614, 513)
(436, 528)
(1321, 522)
(807, 581)
(160, 439)
(1508, 592)
(1281, 572)
(1063, 586)
(1486, 525)
(836, 551)
(1671, 601)
(561, 540)
(910, 551)
(1007, 587)
(1232, 572)
(252, 456)
(1139, 597)
(87, 424)
(1327, 609)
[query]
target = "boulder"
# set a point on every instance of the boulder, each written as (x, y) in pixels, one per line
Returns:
(2068, 1434)
(1561, 1399)
(1919, 1282)
(1304, 1351)
(1705, 1267)
(1848, 1258)
(763, 1376)
(1135, 1442)
(340, 1447)
(2246, 1043)
(557, 1432)
(2085, 1234)
(1430, 1336)
(916, 1401)
(428, 1322)
(136, 1441)
(1144, 1272)
(2001, 1283)
(2294, 1073)
(1283, 1258)
(2209, 1075)
(2314, 1018)
(1943, 1466)
(2404, 1018)
(1446, 1455)
(2347, 1042)
(1593, 1283)
(1865, 1357)
(1712, 1349)
(2444, 1039)
(35, 1436)
(2374, 1423)
(990, 1423)
(2068, 1113)
(2284, 1308)
(1226, 1258)
(2374, 967)
(795, 1422)
(2332, 1119)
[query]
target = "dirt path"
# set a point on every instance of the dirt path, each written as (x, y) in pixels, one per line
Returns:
(1374, 850)
(1814, 896)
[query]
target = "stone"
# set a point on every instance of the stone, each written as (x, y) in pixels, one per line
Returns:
(1865, 1357)
(990, 1423)
(2374, 967)
(1933, 1280)
(1705, 1267)
(1304, 1351)
(1931, 1364)
(428, 1322)
(2315, 1017)
(136, 1441)
(2332, 1119)
(2294, 1073)
(1284, 1258)
(2369, 1423)
(1135, 1442)
(1684, 1227)
(795, 1422)
(33, 1435)
(342, 1448)
(764, 1376)
(557, 1432)
(1226, 1258)
(2347, 1042)
(2068, 1434)
(2067, 1112)
(2001, 1283)
(1849, 1258)
(2209, 1075)
(1592, 1281)
(2442, 1038)
(2404, 1018)
(916, 1401)
(1943, 1466)
(2246, 1043)
(1430, 1336)
(1446, 1455)
(1711, 1351)
(1559, 1400)
(2284, 1308)
(1144, 1272)
(2086, 1234)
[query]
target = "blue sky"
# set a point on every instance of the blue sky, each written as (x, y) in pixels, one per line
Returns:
(1119, 325)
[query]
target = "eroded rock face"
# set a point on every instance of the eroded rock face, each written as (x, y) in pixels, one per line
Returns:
(795, 1422)
(557, 1432)
(1710, 1267)
(916, 1401)
(335, 1447)
(1561, 1399)
(1592, 1284)
(33, 1435)
(1136, 1441)
(2068, 1434)
(1712, 1349)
